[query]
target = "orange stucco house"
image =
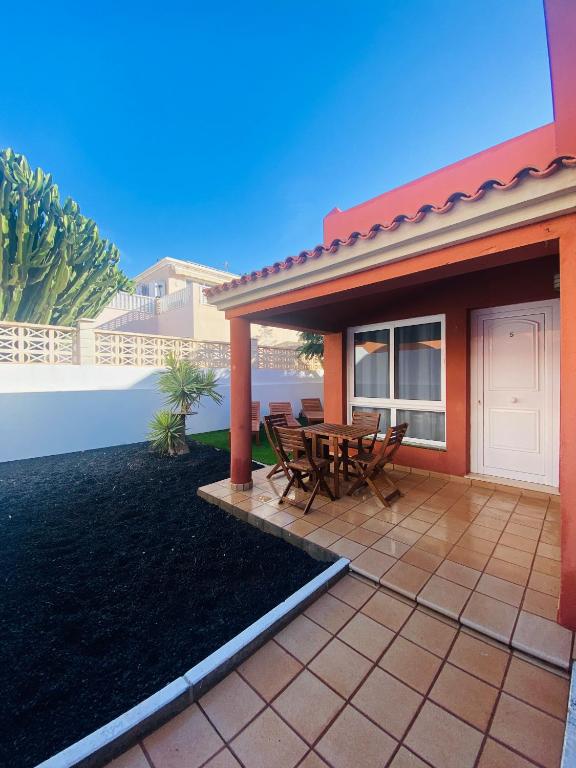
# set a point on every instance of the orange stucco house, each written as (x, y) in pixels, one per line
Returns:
(449, 303)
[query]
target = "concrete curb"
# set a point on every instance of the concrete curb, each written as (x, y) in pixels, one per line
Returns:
(115, 737)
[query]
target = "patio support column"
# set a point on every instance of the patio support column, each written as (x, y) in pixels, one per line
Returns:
(335, 378)
(567, 605)
(240, 405)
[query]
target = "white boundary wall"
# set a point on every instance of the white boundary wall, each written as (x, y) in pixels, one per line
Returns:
(50, 409)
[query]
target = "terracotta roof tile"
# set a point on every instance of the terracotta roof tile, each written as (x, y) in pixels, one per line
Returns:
(397, 221)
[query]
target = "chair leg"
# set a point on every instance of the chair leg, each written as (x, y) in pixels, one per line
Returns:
(377, 491)
(360, 480)
(312, 497)
(276, 470)
(326, 487)
(287, 489)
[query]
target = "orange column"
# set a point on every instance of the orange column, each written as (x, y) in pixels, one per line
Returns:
(240, 404)
(567, 606)
(335, 378)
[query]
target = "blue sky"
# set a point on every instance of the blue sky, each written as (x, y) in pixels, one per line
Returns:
(224, 132)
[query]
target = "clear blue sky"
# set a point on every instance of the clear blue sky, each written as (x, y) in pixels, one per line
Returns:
(224, 132)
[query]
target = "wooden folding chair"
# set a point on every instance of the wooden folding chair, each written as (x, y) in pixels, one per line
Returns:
(255, 417)
(312, 410)
(371, 464)
(286, 409)
(370, 420)
(271, 421)
(294, 441)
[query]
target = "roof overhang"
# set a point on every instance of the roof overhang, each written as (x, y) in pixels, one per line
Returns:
(530, 201)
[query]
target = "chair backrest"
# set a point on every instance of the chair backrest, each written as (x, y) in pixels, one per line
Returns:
(280, 408)
(292, 441)
(255, 410)
(368, 419)
(312, 404)
(274, 420)
(388, 447)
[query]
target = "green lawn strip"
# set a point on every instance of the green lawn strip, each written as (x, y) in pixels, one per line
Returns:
(220, 439)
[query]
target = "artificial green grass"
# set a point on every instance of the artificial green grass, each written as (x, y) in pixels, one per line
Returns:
(220, 439)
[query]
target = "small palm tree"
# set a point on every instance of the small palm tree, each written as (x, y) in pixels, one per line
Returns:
(184, 384)
(312, 346)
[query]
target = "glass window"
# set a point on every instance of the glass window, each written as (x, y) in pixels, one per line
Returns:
(143, 289)
(423, 425)
(384, 415)
(372, 363)
(418, 362)
(158, 290)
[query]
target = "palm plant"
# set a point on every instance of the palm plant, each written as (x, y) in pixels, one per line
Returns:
(184, 384)
(312, 346)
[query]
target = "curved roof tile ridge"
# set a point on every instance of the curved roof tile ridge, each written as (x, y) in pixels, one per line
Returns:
(564, 161)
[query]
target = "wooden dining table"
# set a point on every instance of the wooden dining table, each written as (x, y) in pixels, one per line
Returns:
(338, 436)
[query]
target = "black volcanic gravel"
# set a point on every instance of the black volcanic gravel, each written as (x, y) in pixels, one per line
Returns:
(115, 578)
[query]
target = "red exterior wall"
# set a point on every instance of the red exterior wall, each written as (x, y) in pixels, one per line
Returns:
(455, 297)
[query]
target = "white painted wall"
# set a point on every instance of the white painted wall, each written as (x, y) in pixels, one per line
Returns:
(50, 409)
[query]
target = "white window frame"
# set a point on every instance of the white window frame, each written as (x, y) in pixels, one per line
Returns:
(392, 403)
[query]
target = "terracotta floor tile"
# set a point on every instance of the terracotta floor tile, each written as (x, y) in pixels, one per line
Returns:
(534, 685)
(545, 565)
(492, 617)
(363, 536)
(230, 705)
(405, 759)
(373, 564)
(377, 526)
(445, 533)
(526, 531)
(268, 741)
(476, 545)
(185, 741)
(465, 696)
(467, 557)
(340, 667)
(550, 585)
(405, 578)
(354, 742)
(459, 574)
(366, 636)
(224, 759)
(540, 604)
(312, 760)
(435, 546)
(269, 669)
(347, 548)
(322, 537)
(301, 528)
(495, 755)
(426, 515)
(391, 547)
(352, 591)
(404, 535)
(302, 638)
(392, 518)
(281, 518)
(413, 524)
(502, 503)
(308, 705)
(387, 610)
(442, 740)
(444, 596)
(482, 532)
(552, 538)
(387, 701)
(518, 542)
(411, 663)
(507, 571)
(511, 555)
(479, 658)
(542, 638)
(341, 527)
(354, 517)
(329, 612)
(422, 559)
(500, 589)
(134, 758)
(532, 733)
(429, 633)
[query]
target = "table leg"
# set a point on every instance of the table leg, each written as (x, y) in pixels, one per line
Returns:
(345, 458)
(336, 467)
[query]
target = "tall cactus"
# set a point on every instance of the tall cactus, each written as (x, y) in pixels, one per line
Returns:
(54, 267)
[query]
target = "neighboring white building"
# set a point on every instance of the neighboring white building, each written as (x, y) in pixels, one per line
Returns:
(169, 301)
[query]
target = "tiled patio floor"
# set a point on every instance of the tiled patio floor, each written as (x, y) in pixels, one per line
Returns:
(366, 679)
(488, 556)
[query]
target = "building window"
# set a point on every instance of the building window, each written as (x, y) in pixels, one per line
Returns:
(203, 298)
(159, 290)
(398, 369)
(143, 289)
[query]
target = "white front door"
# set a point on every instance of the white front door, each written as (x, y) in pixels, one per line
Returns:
(514, 392)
